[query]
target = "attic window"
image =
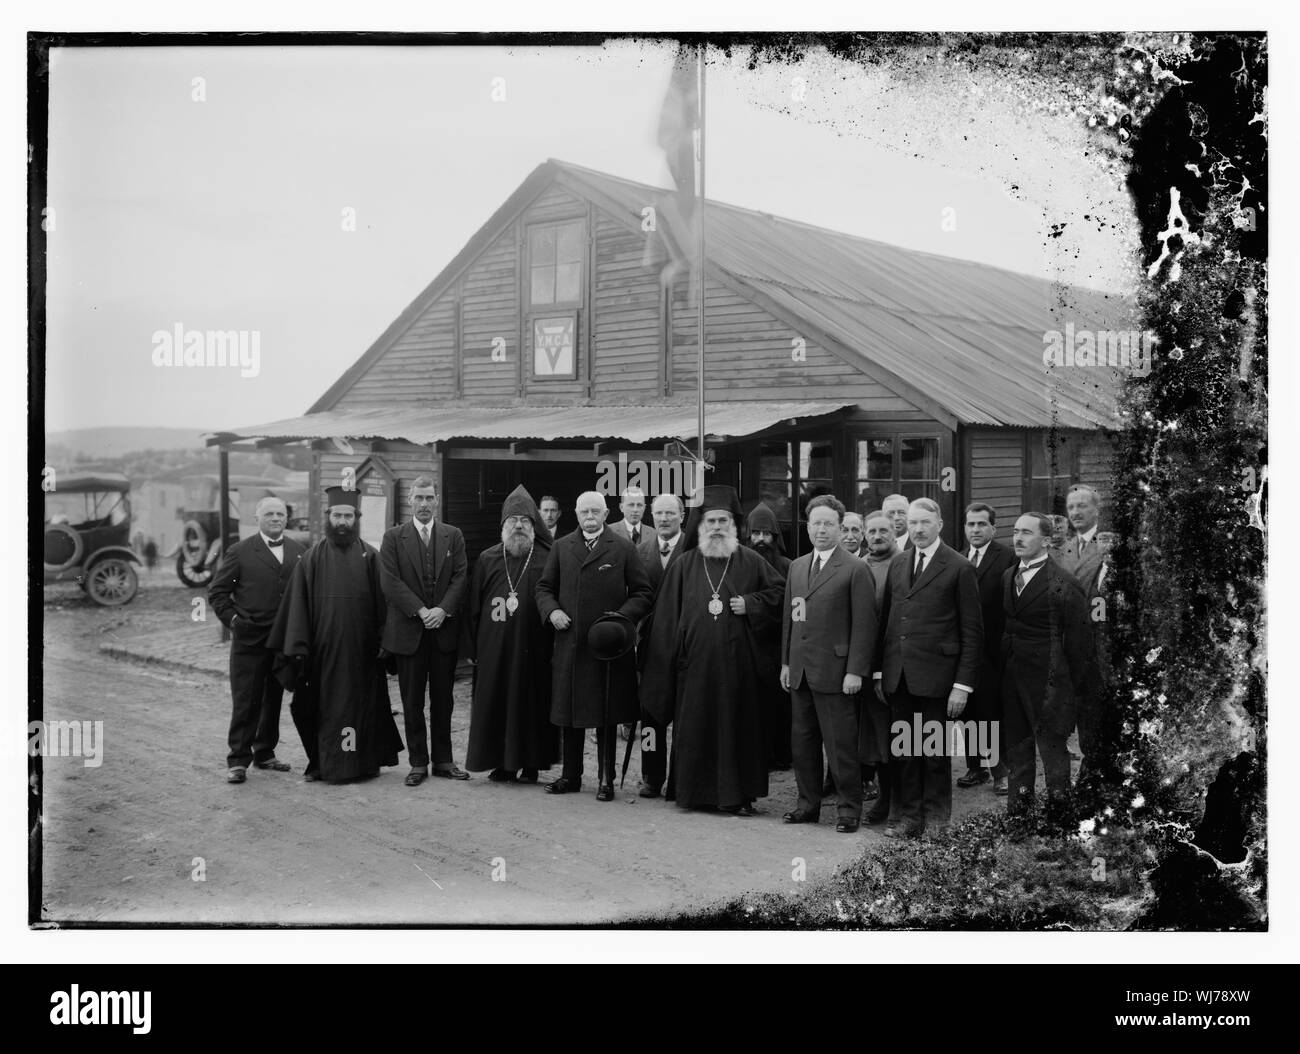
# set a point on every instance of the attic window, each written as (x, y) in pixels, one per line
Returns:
(555, 264)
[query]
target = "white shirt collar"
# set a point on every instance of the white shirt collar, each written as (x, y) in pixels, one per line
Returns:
(979, 549)
(1037, 561)
(820, 559)
(670, 542)
(589, 537)
(268, 540)
(1088, 535)
(900, 542)
(929, 551)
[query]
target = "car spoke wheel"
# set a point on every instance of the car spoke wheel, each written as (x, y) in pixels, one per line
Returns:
(112, 582)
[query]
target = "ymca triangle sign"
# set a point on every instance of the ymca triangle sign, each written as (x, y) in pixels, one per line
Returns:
(553, 346)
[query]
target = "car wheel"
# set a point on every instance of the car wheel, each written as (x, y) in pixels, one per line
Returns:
(194, 577)
(112, 582)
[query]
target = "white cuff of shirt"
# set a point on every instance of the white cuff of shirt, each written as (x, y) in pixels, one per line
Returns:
(877, 676)
(964, 688)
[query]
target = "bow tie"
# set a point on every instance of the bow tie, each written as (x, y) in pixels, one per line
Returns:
(274, 543)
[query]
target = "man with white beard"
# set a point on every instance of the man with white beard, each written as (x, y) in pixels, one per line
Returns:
(510, 728)
(714, 637)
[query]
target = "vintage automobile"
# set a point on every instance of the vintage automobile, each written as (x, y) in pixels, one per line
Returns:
(87, 536)
(200, 547)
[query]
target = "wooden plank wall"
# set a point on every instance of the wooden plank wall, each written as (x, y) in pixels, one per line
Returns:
(996, 459)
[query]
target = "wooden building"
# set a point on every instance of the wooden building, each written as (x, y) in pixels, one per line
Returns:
(564, 334)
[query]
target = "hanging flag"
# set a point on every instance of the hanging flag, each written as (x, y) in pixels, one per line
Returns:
(678, 123)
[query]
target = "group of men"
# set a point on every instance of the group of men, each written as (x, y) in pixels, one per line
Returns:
(863, 653)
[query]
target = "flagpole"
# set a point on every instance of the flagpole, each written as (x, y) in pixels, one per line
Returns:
(699, 270)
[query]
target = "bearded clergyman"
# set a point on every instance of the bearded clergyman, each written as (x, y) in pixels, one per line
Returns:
(328, 629)
(510, 728)
(713, 641)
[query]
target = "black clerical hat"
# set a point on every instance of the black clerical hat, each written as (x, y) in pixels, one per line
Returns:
(341, 496)
(611, 636)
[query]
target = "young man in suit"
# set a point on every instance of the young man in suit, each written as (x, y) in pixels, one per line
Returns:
(928, 664)
(245, 594)
(425, 579)
(895, 507)
(658, 551)
(590, 573)
(632, 505)
(828, 635)
(989, 558)
(1048, 666)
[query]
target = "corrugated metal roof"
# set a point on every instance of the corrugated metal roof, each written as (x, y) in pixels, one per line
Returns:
(432, 424)
(968, 335)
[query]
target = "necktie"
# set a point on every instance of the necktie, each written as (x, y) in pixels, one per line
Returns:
(665, 549)
(975, 556)
(1083, 546)
(919, 569)
(816, 567)
(591, 542)
(636, 535)
(1020, 574)
(275, 543)
(424, 536)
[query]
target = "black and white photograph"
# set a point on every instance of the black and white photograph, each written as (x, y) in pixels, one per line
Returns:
(724, 480)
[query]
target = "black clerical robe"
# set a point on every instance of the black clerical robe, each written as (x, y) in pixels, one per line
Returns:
(705, 673)
(329, 627)
(510, 724)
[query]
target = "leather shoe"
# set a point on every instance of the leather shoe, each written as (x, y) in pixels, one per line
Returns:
(273, 765)
(903, 830)
(846, 826)
(415, 777)
(606, 792)
(645, 790)
(796, 816)
(236, 774)
(564, 785)
(973, 778)
(1000, 786)
(453, 773)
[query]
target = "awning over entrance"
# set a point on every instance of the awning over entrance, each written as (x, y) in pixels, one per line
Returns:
(635, 424)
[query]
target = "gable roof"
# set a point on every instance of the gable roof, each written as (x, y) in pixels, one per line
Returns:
(968, 338)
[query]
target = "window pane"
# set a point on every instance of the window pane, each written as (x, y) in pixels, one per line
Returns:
(774, 461)
(543, 245)
(875, 459)
(567, 278)
(815, 461)
(919, 458)
(777, 498)
(543, 285)
(569, 248)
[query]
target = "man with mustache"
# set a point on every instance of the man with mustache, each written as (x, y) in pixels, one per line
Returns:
(1049, 667)
(658, 551)
(895, 507)
(851, 534)
(712, 642)
(425, 579)
(510, 728)
(245, 594)
(588, 574)
(328, 628)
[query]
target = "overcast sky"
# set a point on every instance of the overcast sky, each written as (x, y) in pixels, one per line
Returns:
(226, 213)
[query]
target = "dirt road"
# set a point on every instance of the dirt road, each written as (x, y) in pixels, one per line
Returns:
(154, 834)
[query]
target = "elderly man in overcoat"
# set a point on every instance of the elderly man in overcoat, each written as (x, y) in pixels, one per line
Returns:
(589, 573)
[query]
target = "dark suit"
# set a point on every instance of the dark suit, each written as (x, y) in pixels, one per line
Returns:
(585, 584)
(654, 762)
(246, 591)
(933, 639)
(413, 577)
(828, 630)
(1048, 671)
(985, 703)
